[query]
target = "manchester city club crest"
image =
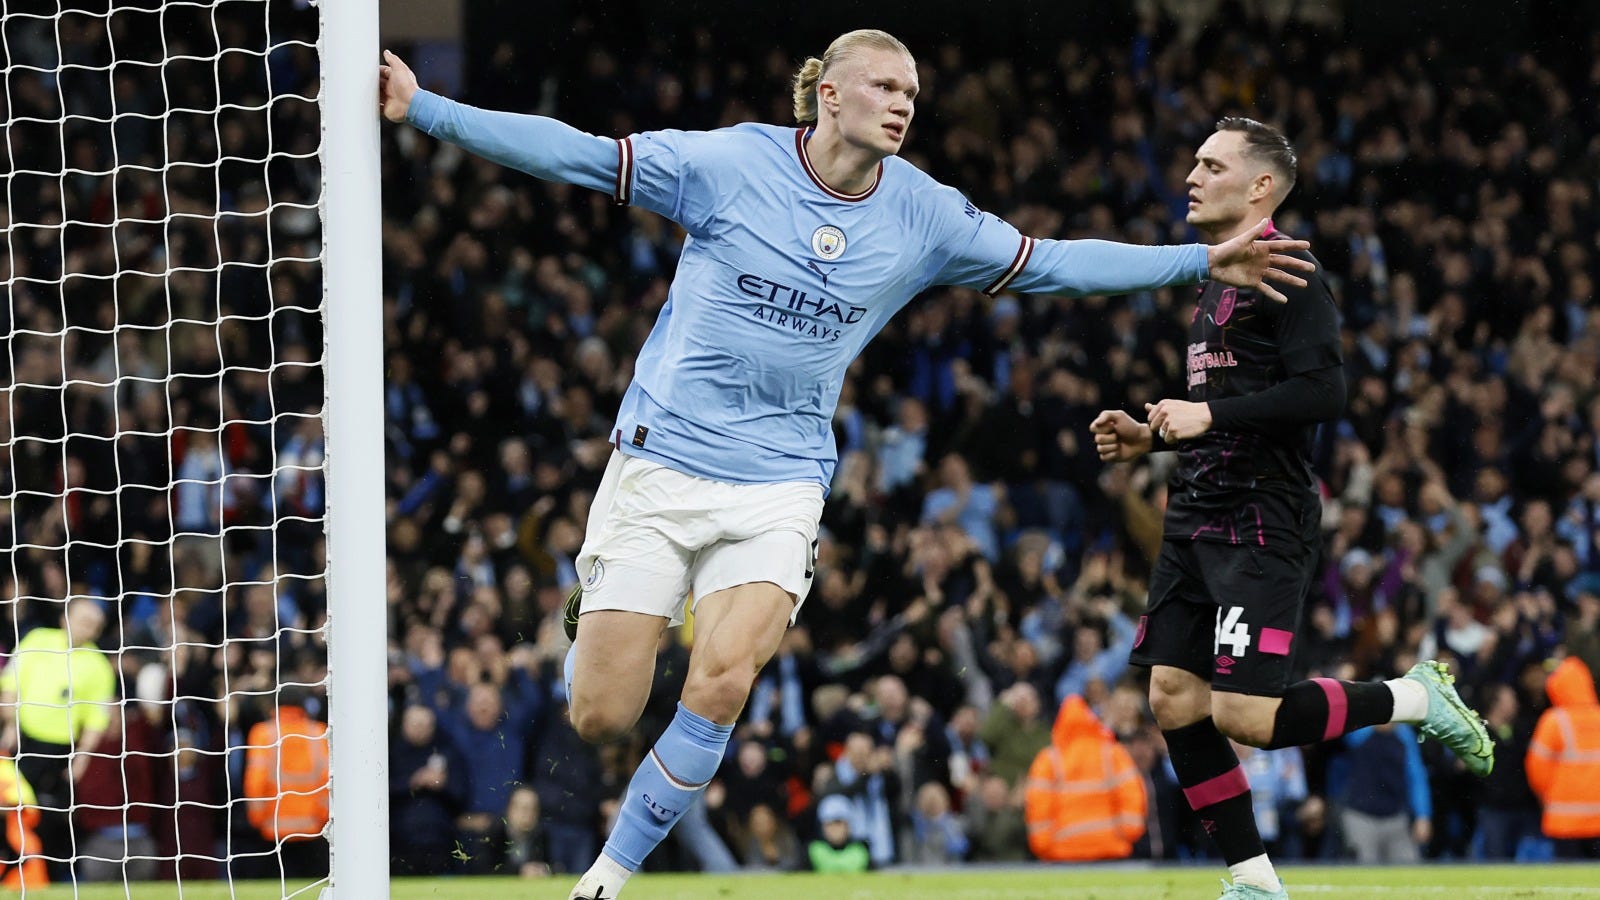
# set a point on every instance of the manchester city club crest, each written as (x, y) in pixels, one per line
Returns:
(828, 242)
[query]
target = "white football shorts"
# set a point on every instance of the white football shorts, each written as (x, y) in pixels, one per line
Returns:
(657, 535)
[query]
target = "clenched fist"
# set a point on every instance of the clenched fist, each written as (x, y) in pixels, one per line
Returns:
(1118, 438)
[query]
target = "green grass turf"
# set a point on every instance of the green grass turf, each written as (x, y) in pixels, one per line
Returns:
(1078, 883)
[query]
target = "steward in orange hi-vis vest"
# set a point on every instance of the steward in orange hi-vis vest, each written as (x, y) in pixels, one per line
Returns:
(1564, 759)
(1085, 800)
(286, 776)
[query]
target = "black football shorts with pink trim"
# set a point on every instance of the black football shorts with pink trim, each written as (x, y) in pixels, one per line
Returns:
(1226, 612)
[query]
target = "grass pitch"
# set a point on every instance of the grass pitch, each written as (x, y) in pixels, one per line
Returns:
(979, 883)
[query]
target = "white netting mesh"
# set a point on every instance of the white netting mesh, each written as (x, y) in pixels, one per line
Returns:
(161, 443)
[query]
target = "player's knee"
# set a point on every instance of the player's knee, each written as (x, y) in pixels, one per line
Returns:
(1245, 729)
(1171, 710)
(598, 724)
(718, 687)
(1244, 720)
(1177, 698)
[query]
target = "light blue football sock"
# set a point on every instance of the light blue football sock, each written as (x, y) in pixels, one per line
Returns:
(670, 777)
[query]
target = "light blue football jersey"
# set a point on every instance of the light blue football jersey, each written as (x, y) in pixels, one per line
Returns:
(782, 280)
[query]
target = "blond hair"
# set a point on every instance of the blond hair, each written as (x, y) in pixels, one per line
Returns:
(843, 47)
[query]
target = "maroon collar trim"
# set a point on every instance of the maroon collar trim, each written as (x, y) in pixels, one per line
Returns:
(805, 163)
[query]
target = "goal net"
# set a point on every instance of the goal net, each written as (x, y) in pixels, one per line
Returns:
(163, 476)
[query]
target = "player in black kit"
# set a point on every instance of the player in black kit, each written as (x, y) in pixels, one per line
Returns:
(1242, 520)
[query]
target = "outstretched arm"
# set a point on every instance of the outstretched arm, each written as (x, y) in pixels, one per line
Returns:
(1078, 268)
(540, 146)
(986, 253)
(1084, 267)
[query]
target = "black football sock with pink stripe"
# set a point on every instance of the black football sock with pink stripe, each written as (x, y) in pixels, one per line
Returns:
(1322, 709)
(1208, 771)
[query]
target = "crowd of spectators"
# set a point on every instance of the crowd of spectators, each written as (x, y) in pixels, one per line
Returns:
(978, 566)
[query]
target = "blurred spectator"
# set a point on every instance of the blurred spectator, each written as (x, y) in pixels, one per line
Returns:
(750, 783)
(55, 699)
(429, 781)
(903, 447)
(116, 798)
(937, 835)
(914, 732)
(190, 787)
(969, 755)
(960, 501)
(493, 741)
(837, 851)
(519, 843)
(778, 700)
(769, 843)
(995, 823)
(1456, 630)
(1085, 800)
(864, 776)
(1015, 732)
(286, 784)
(1387, 807)
(1093, 657)
(1508, 812)
(1564, 761)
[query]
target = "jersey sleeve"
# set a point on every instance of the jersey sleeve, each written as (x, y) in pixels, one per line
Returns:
(543, 147)
(983, 252)
(654, 170)
(671, 173)
(1308, 326)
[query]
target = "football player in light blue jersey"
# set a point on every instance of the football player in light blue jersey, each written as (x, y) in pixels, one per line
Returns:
(802, 243)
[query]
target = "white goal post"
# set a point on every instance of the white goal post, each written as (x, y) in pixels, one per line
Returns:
(192, 554)
(352, 263)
